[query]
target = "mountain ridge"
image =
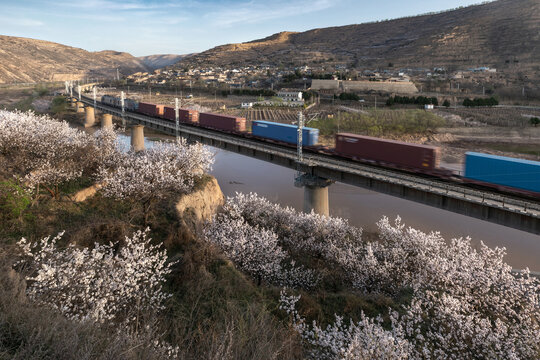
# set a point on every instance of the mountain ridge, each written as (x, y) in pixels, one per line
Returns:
(495, 33)
(33, 60)
(158, 61)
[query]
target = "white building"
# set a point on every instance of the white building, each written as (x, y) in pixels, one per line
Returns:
(291, 97)
(247, 105)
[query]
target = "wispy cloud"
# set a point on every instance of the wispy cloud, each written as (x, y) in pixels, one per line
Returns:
(118, 5)
(25, 22)
(256, 11)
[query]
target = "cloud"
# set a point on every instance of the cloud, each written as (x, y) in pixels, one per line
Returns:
(26, 22)
(137, 5)
(257, 11)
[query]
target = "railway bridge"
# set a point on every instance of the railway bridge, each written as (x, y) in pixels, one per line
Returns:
(318, 171)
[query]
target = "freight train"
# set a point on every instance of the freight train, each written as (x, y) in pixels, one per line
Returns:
(504, 174)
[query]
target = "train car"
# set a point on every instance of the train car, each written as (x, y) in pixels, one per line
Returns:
(129, 104)
(184, 115)
(110, 100)
(506, 172)
(396, 153)
(223, 122)
(284, 132)
(151, 109)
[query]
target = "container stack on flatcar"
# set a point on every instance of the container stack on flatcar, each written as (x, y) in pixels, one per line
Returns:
(407, 155)
(223, 122)
(504, 171)
(184, 115)
(284, 132)
(151, 109)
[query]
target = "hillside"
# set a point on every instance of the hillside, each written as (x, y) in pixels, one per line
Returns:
(30, 60)
(153, 62)
(502, 34)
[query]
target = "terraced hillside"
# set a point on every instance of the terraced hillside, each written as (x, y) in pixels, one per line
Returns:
(502, 34)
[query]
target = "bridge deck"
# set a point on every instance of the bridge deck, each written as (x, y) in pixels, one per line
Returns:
(486, 205)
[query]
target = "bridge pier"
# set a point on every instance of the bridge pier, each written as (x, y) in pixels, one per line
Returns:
(137, 138)
(80, 107)
(90, 118)
(315, 193)
(72, 102)
(106, 121)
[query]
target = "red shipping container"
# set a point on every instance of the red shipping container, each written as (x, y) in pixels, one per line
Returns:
(223, 122)
(151, 109)
(184, 115)
(388, 151)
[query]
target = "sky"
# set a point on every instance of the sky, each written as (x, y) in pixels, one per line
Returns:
(147, 27)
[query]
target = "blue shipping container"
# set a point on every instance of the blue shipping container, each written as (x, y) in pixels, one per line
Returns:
(517, 173)
(284, 132)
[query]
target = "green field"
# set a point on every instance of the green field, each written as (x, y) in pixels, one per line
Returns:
(381, 123)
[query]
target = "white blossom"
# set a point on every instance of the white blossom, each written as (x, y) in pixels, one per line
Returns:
(45, 150)
(466, 302)
(100, 284)
(257, 252)
(155, 171)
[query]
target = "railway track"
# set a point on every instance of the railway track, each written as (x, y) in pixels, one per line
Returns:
(448, 189)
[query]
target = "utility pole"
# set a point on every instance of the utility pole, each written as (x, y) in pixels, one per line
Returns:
(176, 116)
(122, 97)
(117, 75)
(94, 91)
(300, 141)
(79, 91)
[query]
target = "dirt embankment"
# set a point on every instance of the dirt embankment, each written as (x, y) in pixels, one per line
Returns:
(198, 207)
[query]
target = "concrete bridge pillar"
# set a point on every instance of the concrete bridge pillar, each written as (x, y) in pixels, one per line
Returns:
(315, 193)
(316, 199)
(137, 138)
(80, 107)
(89, 119)
(106, 121)
(72, 102)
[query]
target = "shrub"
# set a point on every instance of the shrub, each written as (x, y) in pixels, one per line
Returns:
(349, 96)
(13, 200)
(41, 90)
(480, 102)
(58, 105)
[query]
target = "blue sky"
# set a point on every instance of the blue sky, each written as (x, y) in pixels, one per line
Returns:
(145, 27)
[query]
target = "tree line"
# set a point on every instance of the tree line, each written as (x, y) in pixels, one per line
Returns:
(418, 100)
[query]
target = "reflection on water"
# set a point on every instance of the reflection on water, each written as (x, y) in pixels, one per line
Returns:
(363, 208)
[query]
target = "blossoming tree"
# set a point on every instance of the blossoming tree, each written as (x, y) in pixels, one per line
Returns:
(148, 175)
(466, 301)
(100, 284)
(45, 151)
